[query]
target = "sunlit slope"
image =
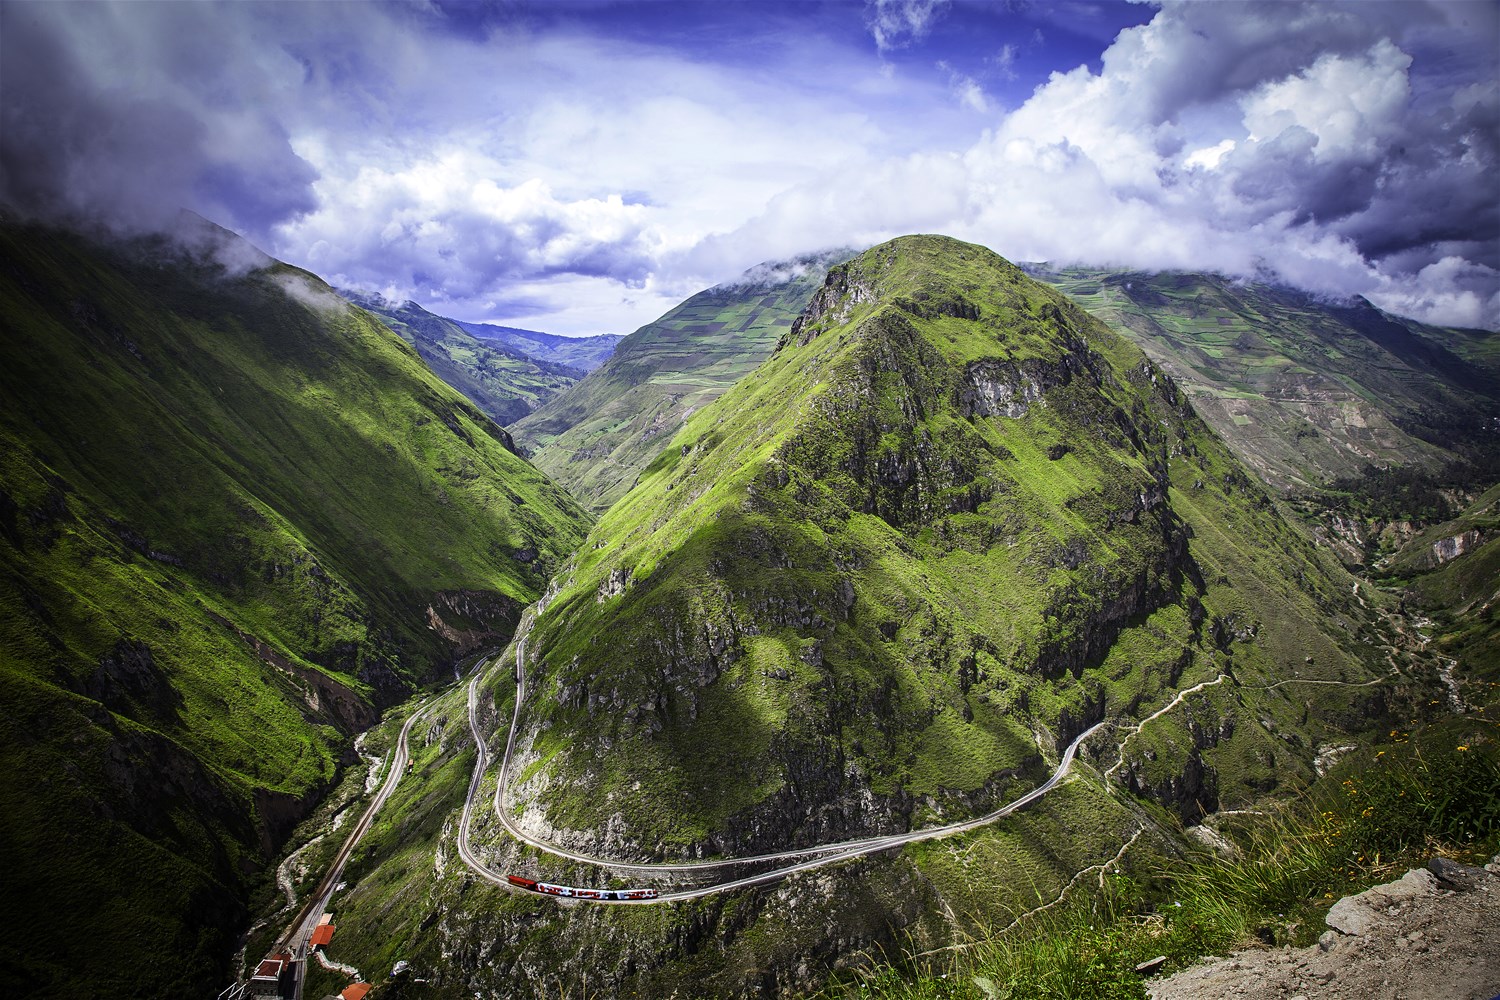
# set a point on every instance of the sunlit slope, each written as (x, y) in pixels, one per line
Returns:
(1305, 391)
(596, 437)
(237, 515)
(951, 521)
(501, 381)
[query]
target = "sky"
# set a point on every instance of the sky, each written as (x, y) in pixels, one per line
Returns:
(580, 167)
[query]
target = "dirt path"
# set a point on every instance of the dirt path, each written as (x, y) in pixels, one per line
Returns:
(1418, 938)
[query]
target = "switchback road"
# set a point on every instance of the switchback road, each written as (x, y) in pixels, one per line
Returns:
(816, 857)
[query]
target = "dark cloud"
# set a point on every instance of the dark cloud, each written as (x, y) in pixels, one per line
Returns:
(108, 123)
(461, 154)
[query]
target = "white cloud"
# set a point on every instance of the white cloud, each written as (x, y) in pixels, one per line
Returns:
(1450, 292)
(1209, 157)
(897, 23)
(1349, 104)
(966, 89)
(1287, 138)
(571, 177)
(1005, 60)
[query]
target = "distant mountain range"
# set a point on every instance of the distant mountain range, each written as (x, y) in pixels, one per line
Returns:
(506, 373)
(1306, 391)
(597, 437)
(582, 353)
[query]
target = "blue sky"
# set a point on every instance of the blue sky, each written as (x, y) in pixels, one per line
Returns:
(579, 167)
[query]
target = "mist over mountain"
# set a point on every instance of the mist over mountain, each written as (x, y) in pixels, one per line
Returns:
(577, 168)
(887, 621)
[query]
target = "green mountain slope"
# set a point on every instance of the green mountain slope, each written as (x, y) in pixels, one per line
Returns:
(503, 382)
(1451, 572)
(597, 437)
(950, 522)
(1304, 391)
(583, 353)
(237, 516)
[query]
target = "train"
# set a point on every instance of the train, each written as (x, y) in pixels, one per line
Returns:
(573, 892)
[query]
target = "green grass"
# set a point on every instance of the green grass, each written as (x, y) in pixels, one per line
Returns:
(939, 618)
(224, 512)
(1365, 824)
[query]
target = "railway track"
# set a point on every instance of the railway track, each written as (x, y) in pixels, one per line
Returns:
(810, 857)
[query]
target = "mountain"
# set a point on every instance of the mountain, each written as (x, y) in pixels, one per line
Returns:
(238, 516)
(504, 382)
(595, 438)
(582, 353)
(1305, 391)
(951, 513)
(878, 585)
(1451, 572)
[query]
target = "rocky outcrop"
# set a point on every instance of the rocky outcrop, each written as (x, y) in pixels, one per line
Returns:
(1415, 937)
(1448, 549)
(128, 675)
(473, 619)
(324, 698)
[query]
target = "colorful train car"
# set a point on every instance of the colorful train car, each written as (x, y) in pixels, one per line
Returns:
(574, 892)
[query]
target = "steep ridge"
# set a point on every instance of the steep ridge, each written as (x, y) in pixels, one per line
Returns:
(948, 524)
(597, 437)
(237, 517)
(502, 381)
(1303, 390)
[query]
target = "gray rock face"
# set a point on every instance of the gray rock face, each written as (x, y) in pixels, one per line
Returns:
(1362, 913)
(1408, 939)
(1457, 877)
(1449, 549)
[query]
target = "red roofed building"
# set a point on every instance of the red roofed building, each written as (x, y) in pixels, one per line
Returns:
(321, 935)
(355, 991)
(271, 975)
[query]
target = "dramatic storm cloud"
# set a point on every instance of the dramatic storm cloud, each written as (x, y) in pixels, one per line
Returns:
(579, 167)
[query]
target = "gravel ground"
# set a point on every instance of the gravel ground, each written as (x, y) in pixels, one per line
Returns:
(1433, 934)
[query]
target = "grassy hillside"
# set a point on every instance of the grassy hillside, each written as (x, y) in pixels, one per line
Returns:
(583, 353)
(504, 382)
(1302, 390)
(878, 584)
(1451, 573)
(949, 522)
(597, 437)
(237, 516)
